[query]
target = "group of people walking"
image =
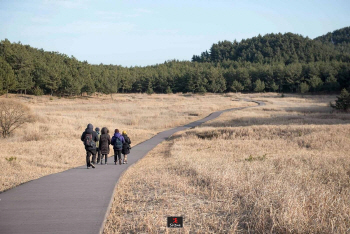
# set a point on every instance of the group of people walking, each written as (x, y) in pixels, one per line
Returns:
(98, 143)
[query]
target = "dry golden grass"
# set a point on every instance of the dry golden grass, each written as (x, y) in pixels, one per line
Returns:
(279, 168)
(52, 143)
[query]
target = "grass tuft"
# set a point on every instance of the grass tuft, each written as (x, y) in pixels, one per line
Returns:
(258, 158)
(10, 159)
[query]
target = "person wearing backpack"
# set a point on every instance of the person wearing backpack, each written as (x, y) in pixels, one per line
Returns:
(89, 137)
(97, 130)
(117, 142)
(126, 147)
(105, 141)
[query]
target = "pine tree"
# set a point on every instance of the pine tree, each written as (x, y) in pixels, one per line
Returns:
(236, 86)
(21, 61)
(315, 83)
(149, 89)
(343, 101)
(24, 80)
(274, 86)
(259, 85)
(304, 87)
(7, 77)
(89, 87)
(331, 84)
(168, 90)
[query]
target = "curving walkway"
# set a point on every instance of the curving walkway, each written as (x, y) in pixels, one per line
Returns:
(76, 200)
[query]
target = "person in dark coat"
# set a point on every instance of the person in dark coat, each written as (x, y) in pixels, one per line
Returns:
(117, 142)
(126, 147)
(105, 141)
(89, 137)
(97, 130)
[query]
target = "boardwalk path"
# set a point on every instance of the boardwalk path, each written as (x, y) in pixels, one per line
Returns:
(76, 200)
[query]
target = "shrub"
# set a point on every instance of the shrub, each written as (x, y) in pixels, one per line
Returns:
(315, 83)
(33, 136)
(149, 91)
(237, 86)
(12, 116)
(168, 90)
(38, 91)
(343, 101)
(258, 158)
(274, 86)
(10, 159)
(259, 85)
(304, 87)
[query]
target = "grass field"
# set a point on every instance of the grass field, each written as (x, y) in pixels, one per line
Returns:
(52, 143)
(279, 168)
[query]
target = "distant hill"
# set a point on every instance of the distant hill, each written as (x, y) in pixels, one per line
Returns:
(281, 48)
(339, 38)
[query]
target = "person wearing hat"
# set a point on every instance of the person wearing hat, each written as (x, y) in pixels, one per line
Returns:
(126, 147)
(98, 151)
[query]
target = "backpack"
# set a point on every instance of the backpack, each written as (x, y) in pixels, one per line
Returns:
(127, 142)
(118, 144)
(88, 142)
(98, 142)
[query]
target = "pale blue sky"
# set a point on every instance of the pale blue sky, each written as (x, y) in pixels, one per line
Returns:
(147, 32)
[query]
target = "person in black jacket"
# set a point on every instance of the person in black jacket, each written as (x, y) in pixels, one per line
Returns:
(98, 153)
(89, 137)
(105, 141)
(117, 142)
(126, 147)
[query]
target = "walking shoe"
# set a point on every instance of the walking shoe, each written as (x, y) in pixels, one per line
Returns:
(92, 165)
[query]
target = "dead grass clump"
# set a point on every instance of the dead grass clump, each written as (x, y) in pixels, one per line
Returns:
(270, 109)
(33, 136)
(208, 134)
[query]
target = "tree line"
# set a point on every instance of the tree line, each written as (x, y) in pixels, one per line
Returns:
(274, 62)
(281, 48)
(339, 39)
